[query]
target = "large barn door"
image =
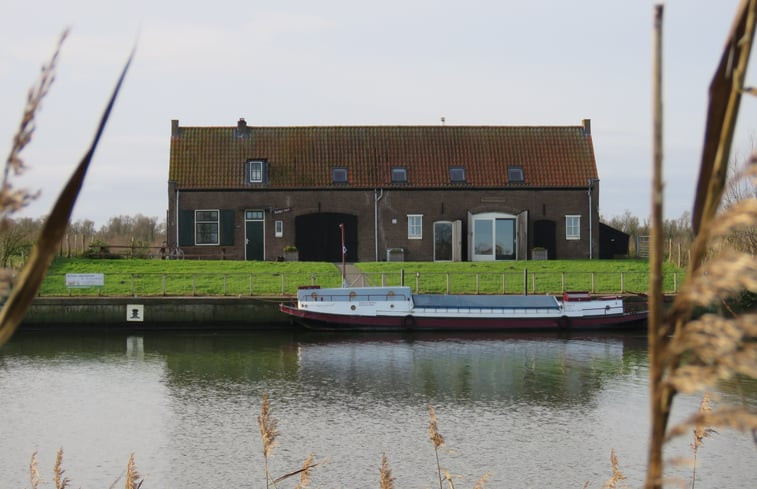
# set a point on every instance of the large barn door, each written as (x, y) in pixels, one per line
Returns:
(319, 238)
(544, 237)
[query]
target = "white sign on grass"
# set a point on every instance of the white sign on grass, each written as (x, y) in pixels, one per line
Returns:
(79, 280)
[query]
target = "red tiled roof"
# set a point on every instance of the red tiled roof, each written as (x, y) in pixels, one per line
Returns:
(303, 157)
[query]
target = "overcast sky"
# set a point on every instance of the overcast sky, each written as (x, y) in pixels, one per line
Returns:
(334, 62)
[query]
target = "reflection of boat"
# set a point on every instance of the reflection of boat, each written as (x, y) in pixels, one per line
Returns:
(397, 308)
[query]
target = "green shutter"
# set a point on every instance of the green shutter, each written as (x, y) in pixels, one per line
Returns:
(227, 227)
(186, 228)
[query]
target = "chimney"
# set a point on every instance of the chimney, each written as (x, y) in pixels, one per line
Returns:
(242, 130)
(175, 129)
(587, 127)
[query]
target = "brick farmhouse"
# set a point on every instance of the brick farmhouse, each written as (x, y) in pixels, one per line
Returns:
(415, 193)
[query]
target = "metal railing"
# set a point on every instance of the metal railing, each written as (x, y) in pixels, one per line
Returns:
(277, 284)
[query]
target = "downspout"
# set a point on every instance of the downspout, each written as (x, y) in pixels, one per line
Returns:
(377, 195)
(591, 219)
(176, 217)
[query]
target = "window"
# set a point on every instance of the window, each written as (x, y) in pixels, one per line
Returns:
(572, 227)
(457, 174)
(339, 174)
(415, 226)
(279, 229)
(256, 171)
(399, 174)
(253, 215)
(206, 227)
(515, 174)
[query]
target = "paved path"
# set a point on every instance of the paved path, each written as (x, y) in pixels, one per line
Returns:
(353, 275)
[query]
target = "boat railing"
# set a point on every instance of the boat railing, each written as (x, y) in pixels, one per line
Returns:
(317, 295)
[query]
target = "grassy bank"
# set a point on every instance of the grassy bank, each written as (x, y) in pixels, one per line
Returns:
(195, 277)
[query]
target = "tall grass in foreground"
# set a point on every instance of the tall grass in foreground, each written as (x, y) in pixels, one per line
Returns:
(688, 353)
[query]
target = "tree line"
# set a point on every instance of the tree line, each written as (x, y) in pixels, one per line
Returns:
(678, 233)
(135, 232)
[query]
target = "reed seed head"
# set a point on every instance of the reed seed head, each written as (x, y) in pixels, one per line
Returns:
(700, 430)
(482, 481)
(386, 481)
(433, 430)
(617, 475)
(60, 481)
(267, 425)
(132, 476)
(34, 477)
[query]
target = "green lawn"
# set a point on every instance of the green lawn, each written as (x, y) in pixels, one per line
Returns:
(508, 277)
(127, 277)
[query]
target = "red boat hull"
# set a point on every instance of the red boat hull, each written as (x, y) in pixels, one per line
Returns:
(338, 322)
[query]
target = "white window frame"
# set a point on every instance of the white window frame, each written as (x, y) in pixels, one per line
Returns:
(256, 175)
(207, 222)
(572, 227)
(278, 227)
(415, 226)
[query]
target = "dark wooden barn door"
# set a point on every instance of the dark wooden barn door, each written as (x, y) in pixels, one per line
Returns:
(319, 238)
(544, 237)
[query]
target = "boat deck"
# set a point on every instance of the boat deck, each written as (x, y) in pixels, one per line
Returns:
(427, 301)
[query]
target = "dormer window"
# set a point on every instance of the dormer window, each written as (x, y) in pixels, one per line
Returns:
(256, 171)
(339, 174)
(457, 174)
(399, 174)
(515, 174)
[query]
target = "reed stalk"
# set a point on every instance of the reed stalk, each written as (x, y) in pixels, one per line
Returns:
(437, 440)
(700, 432)
(268, 433)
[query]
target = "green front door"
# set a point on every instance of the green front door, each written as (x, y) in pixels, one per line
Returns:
(254, 235)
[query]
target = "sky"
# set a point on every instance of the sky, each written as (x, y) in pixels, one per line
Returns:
(349, 62)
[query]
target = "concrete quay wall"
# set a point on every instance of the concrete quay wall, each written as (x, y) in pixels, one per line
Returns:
(155, 313)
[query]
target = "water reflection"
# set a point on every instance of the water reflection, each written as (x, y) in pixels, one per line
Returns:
(526, 407)
(545, 368)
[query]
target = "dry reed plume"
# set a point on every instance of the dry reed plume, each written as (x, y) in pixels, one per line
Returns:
(689, 353)
(133, 479)
(617, 475)
(700, 432)
(268, 434)
(267, 425)
(132, 476)
(437, 440)
(58, 479)
(53, 230)
(34, 477)
(386, 481)
(13, 200)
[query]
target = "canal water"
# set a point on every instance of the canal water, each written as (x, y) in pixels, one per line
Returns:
(531, 410)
